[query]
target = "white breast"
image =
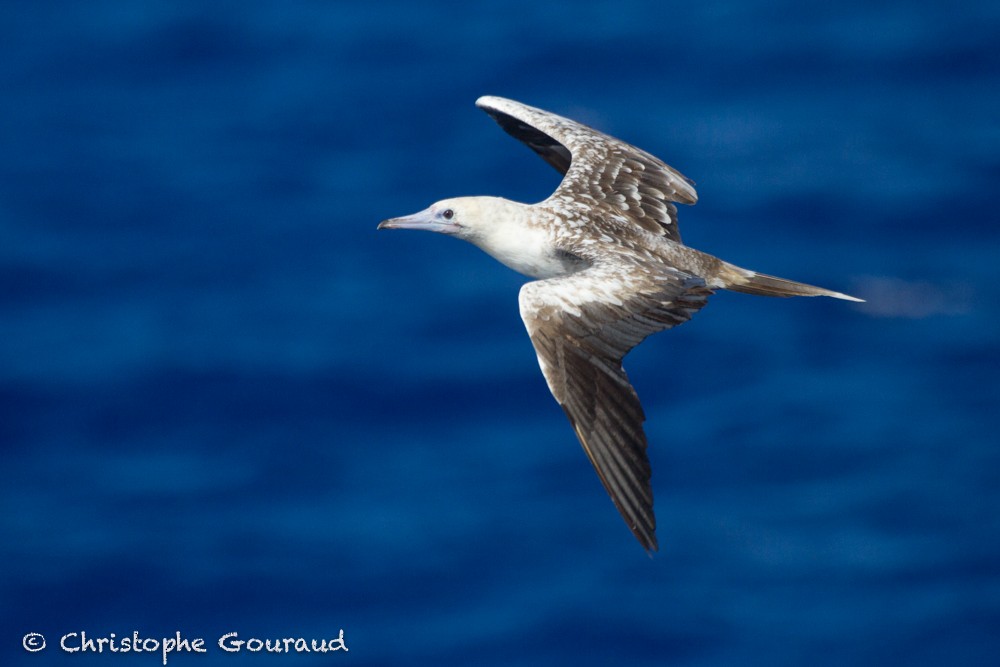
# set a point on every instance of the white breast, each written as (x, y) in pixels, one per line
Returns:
(526, 249)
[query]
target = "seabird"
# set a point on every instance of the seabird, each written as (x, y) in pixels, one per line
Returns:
(610, 269)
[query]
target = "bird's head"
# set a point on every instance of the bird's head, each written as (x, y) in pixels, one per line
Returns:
(498, 226)
(468, 218)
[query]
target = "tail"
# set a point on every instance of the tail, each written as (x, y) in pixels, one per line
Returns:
(751, 282)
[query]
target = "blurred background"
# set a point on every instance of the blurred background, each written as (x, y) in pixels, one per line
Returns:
(227, 404)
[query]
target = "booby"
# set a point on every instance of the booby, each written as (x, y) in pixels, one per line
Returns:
(610, 269)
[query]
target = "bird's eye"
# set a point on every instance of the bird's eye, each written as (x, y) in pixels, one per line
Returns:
(448, 214)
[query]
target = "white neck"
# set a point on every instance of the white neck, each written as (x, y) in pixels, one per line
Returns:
(507, 233)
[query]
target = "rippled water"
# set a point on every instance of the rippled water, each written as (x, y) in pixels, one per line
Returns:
(227, 404)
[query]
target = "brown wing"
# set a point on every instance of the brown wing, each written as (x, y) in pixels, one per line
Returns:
(582, 326)
(598, 166)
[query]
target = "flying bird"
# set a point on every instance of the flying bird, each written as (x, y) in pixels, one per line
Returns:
(610, 269)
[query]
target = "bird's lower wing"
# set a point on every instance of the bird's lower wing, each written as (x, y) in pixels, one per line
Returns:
(582, 326)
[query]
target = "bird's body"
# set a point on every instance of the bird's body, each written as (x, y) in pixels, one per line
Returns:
(610, 269)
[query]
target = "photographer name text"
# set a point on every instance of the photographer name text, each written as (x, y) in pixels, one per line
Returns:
(231, 642)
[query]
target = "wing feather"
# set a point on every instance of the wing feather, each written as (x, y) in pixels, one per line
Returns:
(582, 326)
(599, 167)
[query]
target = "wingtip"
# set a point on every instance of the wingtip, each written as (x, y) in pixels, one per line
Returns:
(646, 535)
(487, 101)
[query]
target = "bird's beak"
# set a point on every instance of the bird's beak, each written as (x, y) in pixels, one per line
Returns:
(427, 220)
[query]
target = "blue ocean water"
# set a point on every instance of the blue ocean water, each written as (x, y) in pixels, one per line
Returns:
(228, 405)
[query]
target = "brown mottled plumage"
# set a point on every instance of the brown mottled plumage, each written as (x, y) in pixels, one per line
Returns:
(611, 270)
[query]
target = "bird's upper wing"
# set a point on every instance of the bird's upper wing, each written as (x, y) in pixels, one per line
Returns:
(582, 325)
(599, 167)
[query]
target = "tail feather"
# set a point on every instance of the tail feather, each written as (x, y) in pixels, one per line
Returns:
(751, 282)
